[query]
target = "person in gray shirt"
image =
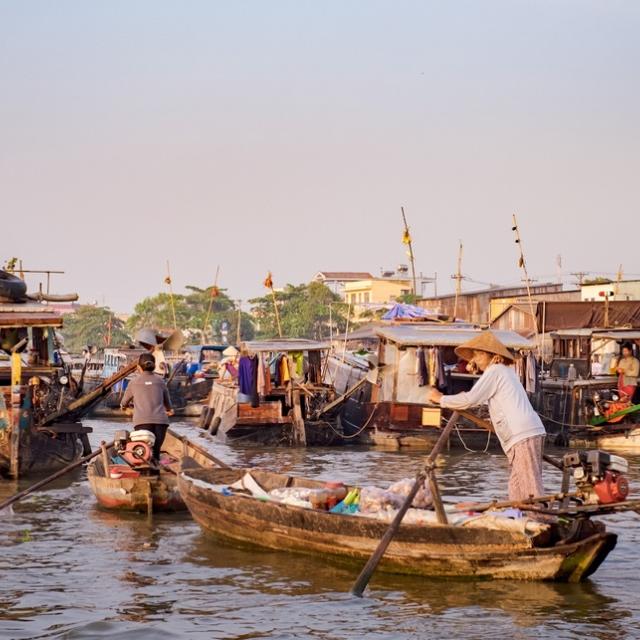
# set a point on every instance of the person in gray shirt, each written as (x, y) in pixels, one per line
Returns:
(151, 403)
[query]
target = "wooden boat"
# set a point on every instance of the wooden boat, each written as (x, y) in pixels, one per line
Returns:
(151, 491)
(429, 550)
(580, 412)
(394, 412)
(284, 414)
(40, 403)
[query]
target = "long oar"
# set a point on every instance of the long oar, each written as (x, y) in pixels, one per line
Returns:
(51, 478)
(365, 575)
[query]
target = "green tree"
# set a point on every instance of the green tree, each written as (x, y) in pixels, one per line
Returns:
(91, 325)
(199, 315)
(305, 311)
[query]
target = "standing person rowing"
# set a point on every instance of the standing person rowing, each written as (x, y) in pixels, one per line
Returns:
(516, 424)
(151, 403)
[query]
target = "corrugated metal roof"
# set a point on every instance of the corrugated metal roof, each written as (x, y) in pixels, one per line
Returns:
(439, 336)
(285, 344)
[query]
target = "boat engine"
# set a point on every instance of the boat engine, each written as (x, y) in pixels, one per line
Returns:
(136, 448)
(599, 476)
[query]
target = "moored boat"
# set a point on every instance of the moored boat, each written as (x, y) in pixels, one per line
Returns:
(546, 552)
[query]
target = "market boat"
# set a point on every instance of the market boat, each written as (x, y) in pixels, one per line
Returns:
(135, 483)
(282, 412)
(40, 403)
(544, 552)
(394, 412)
(581, 409)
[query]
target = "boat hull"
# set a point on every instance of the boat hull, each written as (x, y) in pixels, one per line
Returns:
(439, 551)
(627, 440)
(135, 494)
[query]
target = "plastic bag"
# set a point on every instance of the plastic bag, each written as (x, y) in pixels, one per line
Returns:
(422, 500)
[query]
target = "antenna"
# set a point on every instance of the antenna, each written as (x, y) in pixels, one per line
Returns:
(406, 239)
(458, 278)
(580, 275)
(616, 291)
(559, 268)
(523, 265)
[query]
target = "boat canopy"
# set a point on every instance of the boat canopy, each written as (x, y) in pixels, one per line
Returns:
(284, 344)
(446, 336)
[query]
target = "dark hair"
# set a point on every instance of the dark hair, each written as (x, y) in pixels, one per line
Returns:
(626, 345)
(147, 362)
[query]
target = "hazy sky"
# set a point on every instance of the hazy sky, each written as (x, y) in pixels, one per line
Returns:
(286, 136)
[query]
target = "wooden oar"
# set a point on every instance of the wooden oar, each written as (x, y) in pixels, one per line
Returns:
(51, 478)
(365, 575)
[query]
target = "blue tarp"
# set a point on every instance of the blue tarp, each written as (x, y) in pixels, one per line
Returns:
(406, 312)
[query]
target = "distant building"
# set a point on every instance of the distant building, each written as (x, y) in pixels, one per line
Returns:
(375, 291)
(481, 307)
(336, 280)
(618, 291)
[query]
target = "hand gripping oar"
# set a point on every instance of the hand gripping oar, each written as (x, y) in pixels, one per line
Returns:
(365, 575)
(51, 478)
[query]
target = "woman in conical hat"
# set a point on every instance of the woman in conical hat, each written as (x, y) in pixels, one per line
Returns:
(516, 424)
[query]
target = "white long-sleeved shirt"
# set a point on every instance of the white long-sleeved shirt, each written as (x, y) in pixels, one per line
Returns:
(512, 415)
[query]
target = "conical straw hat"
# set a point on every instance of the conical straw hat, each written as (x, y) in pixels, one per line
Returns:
(486, 341)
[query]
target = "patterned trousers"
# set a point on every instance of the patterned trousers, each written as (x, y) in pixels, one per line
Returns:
(525, 468)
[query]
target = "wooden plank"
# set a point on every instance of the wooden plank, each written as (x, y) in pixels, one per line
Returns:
(72, 427)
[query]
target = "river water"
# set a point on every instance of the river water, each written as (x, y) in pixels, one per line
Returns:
(71, 570)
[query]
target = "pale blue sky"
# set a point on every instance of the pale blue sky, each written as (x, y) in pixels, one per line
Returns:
(286, 135)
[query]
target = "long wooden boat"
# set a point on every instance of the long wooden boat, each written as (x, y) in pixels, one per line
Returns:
(429, 550)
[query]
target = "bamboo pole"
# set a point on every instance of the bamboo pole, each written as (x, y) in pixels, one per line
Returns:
(408, 241)
(458, 279)
(173, 306)
(214, 294)
(523, 265)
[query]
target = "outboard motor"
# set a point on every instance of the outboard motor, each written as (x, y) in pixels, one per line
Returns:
(599, 476)
(136, 448)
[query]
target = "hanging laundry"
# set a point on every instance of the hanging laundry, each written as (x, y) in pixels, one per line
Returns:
(441, 376)
(432, 367)
(531, 379)
(298, 361)
(277, 371)
(267, 377)
(423, 374)
(261, 376)
(285, 373)
(255, 399)
(245, 375)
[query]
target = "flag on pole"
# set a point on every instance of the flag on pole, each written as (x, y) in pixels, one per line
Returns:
(167, 280)
(406, 238)
(268, 282)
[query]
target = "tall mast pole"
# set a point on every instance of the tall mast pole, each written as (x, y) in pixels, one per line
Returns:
(406, 238)
(458, 279)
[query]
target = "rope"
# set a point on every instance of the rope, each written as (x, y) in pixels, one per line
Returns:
(486, 448)
(358, 432)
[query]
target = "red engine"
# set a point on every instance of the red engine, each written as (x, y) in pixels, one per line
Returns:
(614, 487)
(137, 453)
(599, 476)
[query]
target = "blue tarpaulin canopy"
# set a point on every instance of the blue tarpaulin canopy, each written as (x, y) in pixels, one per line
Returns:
(402, 311)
